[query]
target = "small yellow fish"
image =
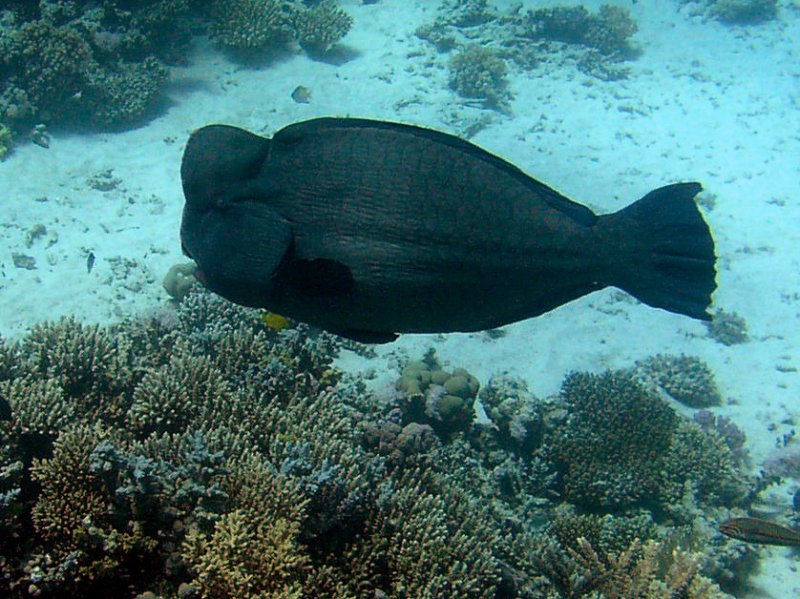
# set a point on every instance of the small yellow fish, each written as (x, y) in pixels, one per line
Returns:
(763, 532)
(274, 322)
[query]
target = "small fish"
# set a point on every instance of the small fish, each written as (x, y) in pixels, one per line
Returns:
(301, 95)
(90, 262)
(273, 321)
(763, 532)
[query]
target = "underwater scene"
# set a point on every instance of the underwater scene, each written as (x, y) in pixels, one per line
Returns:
(399, 299)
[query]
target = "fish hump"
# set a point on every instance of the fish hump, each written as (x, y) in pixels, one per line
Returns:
(314, 127)
(215, 157)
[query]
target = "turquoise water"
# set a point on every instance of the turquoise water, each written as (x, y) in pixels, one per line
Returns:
(158, 440)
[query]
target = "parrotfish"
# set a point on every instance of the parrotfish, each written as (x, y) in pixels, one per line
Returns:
(370, 229)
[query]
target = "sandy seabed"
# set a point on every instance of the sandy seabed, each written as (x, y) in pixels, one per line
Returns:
(703, 102)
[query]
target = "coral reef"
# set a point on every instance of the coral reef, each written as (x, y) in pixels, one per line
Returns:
(622, 447)
(318, 28)
(444, 400)
(248, 24)
(270, 24)
(179, 280)
(6, 141)
(728, 328)
(516, 414)
(686, 379)
(608, 32)
(488, 40)
(744, 11)
(479, 72)
(198, 453)
(103, 65)
(70, 63)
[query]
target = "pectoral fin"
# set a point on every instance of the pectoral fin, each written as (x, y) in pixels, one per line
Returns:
(320, 277)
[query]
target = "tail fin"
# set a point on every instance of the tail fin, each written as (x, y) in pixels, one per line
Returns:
(673, 266)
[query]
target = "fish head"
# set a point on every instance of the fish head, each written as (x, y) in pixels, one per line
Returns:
(228, 228)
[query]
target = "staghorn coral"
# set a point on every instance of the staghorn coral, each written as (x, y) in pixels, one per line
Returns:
(40, 407)
(71, 495)
(246, 557)
(640, 570)
(169, 399)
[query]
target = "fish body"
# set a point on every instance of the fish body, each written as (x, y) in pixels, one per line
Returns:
(758, 530)
(369, 229)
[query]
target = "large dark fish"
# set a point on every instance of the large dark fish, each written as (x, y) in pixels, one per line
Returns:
(369, 229)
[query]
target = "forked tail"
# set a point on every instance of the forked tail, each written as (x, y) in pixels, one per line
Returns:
(671, 263)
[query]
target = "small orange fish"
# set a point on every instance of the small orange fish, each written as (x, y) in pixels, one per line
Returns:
(763, 532)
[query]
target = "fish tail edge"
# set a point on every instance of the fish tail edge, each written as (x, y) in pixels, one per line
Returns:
(673, 262)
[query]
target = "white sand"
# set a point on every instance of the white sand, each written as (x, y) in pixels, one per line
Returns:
(704, 101)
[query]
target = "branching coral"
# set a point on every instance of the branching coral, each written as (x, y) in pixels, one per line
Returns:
(244, 557)
(186, 390)
(248, 24)
(687, 379)
(215, 458)
(479, 72)
(608, 31)
(744, 11)
(611, 451)
(317, 29)
(60, 67)
(621, 446)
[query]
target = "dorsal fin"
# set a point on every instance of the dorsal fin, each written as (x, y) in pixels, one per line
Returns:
(301, 130)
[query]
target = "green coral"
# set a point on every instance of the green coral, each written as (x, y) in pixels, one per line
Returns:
(246, 557)
(612, 452)
(57, 70)
(479, 72)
